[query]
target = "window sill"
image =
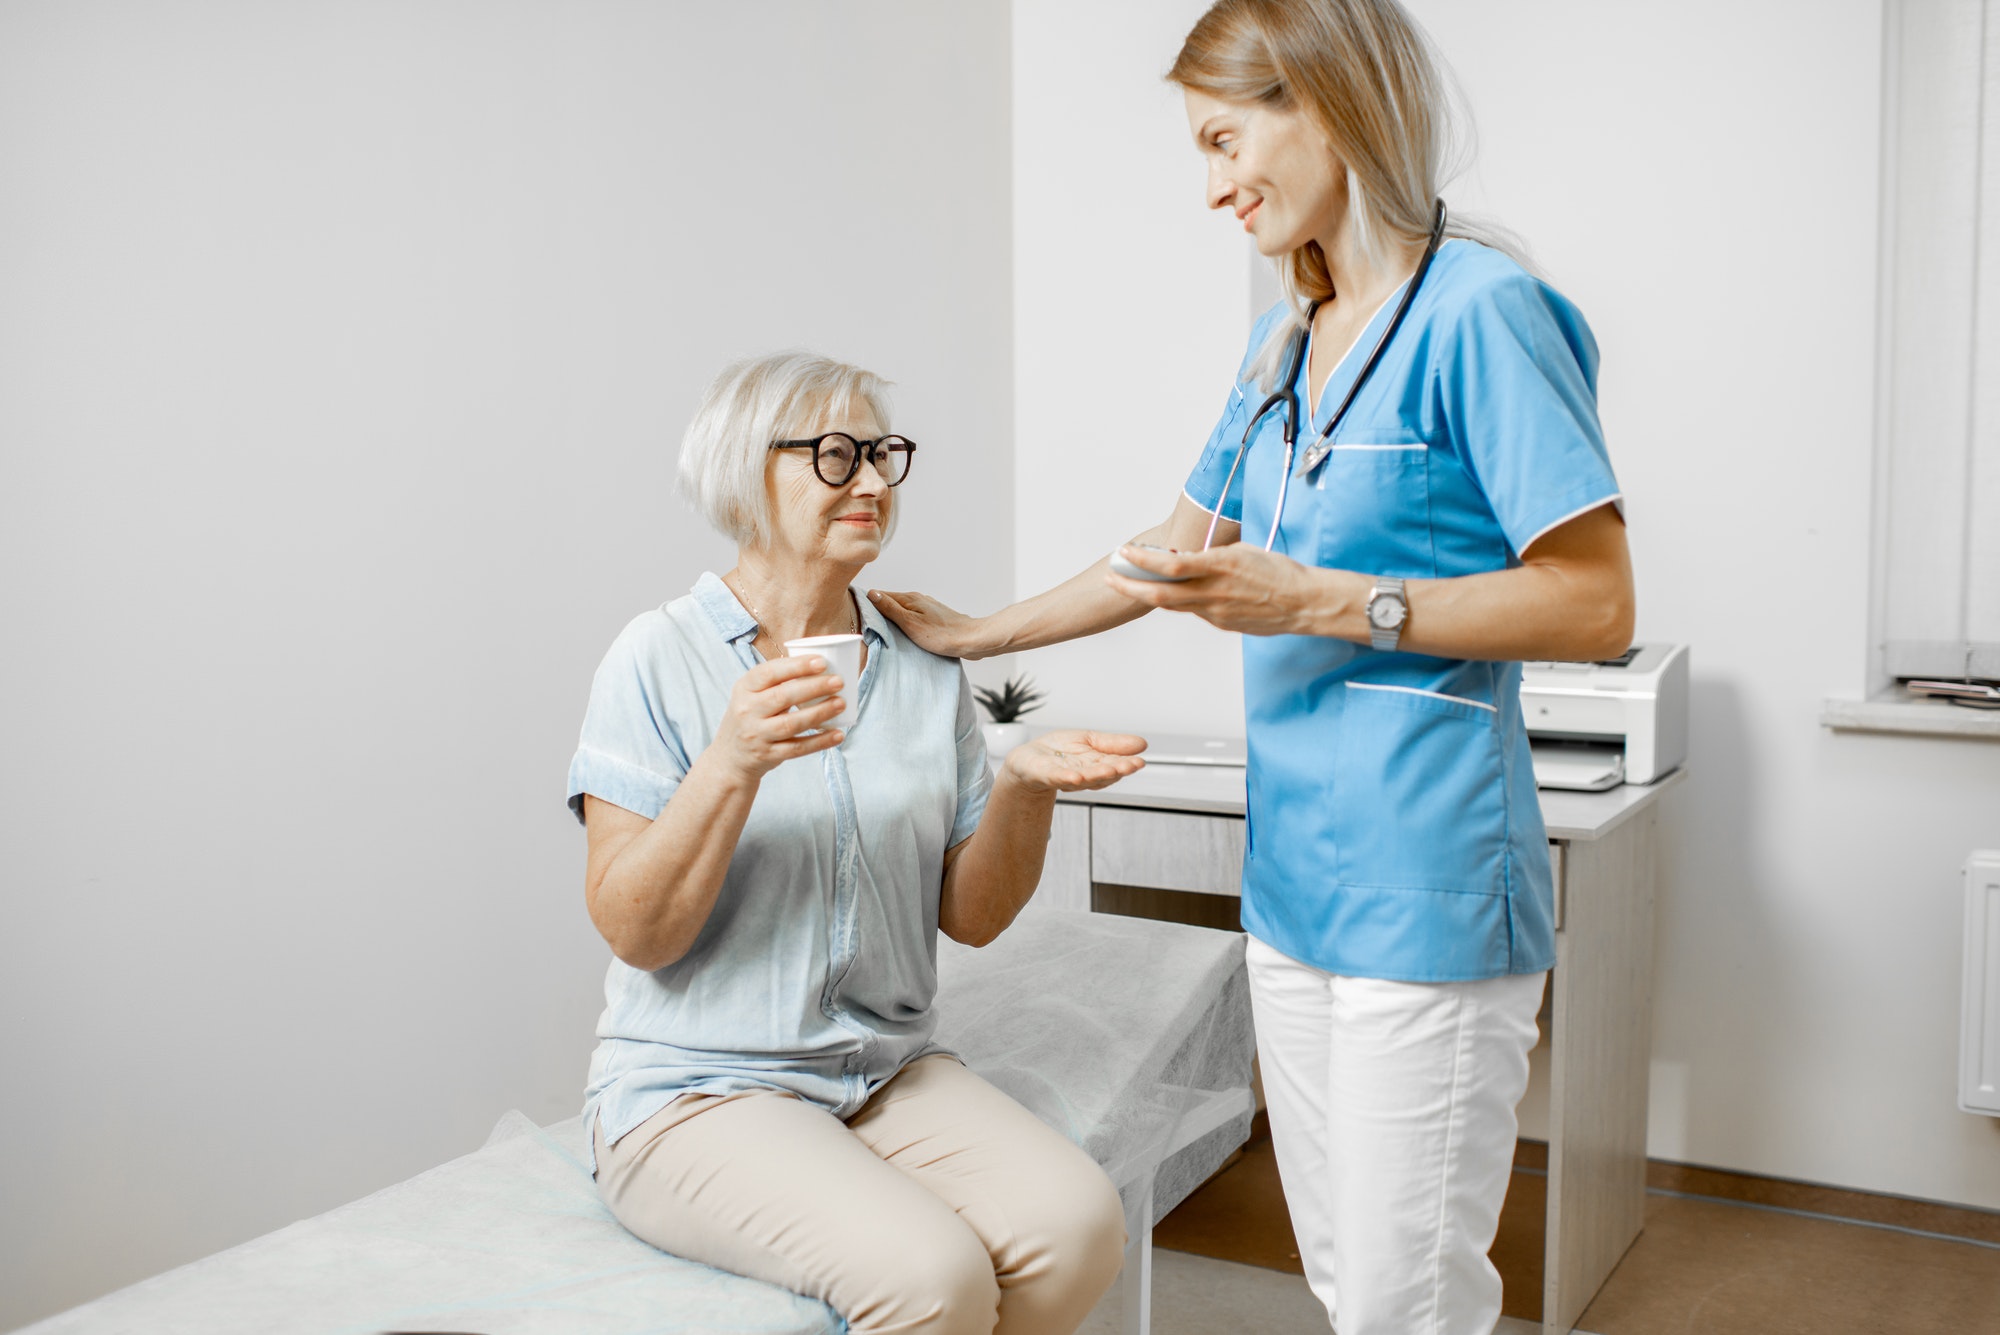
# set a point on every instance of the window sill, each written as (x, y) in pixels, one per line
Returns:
(1897, 712)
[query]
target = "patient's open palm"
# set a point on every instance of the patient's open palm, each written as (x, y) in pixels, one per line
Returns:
(1072, 759)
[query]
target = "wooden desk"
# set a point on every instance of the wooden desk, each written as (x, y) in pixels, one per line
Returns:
(1180, 827)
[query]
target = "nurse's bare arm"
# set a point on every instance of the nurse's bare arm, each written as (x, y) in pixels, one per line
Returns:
(989, 877)
(1081, 605)
(1571, 597)
(651, 884)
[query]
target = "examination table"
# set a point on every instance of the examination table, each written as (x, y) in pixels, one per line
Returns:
(1131, 1037)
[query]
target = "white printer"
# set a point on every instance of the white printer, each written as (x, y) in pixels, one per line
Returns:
(1593, 726)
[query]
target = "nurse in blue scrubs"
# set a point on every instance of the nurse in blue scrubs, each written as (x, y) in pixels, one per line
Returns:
(1443, 517)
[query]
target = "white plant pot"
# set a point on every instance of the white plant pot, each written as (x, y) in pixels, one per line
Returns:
(1003, 737)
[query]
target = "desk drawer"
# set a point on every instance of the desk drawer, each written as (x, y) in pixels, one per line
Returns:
(1166, 850)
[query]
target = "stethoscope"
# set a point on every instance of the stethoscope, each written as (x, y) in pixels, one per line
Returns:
(1286, 397)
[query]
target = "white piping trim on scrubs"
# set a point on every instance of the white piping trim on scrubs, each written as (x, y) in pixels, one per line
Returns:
(1319, 404)
(1207, 510)
(1316, 403)
(1411, 690)
(1616, 498)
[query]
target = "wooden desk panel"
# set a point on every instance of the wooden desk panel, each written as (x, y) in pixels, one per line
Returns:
(1167, 850)
(1599, 1064)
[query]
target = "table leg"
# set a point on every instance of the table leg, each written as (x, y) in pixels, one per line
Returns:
(1135, 1281)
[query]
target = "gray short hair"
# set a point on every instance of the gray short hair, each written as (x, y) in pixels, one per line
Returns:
(752, 403)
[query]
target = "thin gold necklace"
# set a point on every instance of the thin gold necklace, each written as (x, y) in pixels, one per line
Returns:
(758, 617)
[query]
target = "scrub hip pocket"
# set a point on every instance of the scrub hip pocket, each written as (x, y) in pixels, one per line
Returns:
(1419, 798)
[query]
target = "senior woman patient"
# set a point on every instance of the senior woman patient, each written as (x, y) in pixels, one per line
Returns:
(765, 1095)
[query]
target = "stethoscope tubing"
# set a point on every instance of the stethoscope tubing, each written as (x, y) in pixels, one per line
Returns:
(1287, 396)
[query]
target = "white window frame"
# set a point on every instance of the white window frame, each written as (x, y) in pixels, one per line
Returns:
(1934, 607)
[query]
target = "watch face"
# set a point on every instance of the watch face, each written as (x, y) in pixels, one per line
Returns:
(1386, 612)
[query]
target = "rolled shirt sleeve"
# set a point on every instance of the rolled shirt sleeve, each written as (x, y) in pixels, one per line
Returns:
(629, 754)
(975, 776)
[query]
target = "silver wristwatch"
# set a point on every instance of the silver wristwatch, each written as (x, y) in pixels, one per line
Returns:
(1388, 611)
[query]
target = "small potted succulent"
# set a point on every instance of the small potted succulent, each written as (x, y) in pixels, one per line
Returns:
(1005, 707)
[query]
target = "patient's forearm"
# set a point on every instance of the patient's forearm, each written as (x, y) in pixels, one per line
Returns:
(656, 892)
(996, 871)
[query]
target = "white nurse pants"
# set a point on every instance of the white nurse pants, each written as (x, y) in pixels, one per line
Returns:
(1393, 1116)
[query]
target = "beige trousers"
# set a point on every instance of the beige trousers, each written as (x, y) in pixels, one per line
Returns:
(943, 1206)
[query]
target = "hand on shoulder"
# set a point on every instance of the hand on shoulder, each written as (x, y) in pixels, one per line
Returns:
(931, 625)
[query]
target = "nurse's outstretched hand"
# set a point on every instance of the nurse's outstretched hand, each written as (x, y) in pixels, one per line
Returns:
(1073, 759)
(933, 627)
(1238, 587)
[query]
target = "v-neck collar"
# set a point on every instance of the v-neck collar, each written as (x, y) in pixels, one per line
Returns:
(1305, 365)
(1304, 387)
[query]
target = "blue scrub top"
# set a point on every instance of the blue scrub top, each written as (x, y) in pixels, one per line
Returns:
(1394, 829)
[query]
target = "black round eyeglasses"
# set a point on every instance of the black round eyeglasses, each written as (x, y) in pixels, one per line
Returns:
(837, 456)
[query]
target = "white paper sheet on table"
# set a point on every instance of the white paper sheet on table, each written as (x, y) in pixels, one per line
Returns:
(1112, 1030)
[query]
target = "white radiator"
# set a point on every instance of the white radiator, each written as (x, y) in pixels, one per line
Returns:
(1979, 1019)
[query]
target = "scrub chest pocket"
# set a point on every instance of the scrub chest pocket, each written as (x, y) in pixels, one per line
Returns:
(1372, 498)
(1405, 756)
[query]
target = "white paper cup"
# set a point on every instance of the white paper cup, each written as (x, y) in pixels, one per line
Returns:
(843, 659)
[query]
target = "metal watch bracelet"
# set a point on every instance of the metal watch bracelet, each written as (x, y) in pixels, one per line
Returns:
(1388, 589)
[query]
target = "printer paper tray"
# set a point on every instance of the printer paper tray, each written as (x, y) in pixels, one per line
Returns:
(1578, 766)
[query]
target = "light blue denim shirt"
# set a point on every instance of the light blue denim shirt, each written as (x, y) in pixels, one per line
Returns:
(815, 971)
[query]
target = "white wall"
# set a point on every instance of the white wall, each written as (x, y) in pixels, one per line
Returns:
(1701, 179)
(344, 349)
(1131, 307)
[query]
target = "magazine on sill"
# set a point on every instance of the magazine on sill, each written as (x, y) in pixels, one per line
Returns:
(1972, 694)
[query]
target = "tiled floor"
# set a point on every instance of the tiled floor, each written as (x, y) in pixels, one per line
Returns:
(1757, 1264)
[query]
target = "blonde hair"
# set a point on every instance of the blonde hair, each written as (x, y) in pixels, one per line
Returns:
(1368, 79)
(750, 405)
